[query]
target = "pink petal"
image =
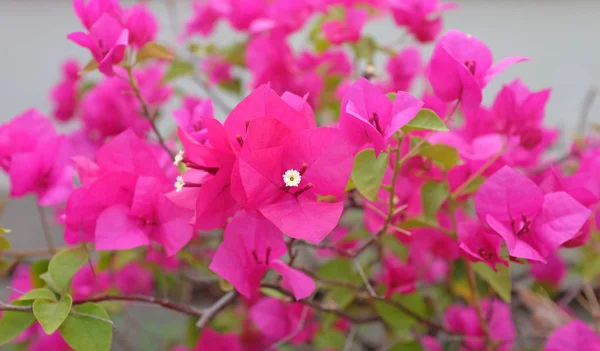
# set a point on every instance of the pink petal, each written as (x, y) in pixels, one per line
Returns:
(116, 230)
(302, 285)
(501, 67)
(404, 109)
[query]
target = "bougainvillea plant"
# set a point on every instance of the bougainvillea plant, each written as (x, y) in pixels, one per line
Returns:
(335, 207)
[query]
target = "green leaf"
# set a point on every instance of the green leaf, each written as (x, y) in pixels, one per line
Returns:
(365, 48)
(407, 346)
(274, 294)
(330, 339)
(91, 66)
(368, 172)
(391, 242)
(233, 86)
(52, 314)
(4, 243)
(89, 330)
(40, 293)
(426, 119)
(124, 257)
(395, 317)
(474, 185)
(178, 69)
(14, 323)
(591, 269)
(340, 270)
(37, 269)
(48, 282)
(499, 281)
(153, 50)
(236, 53)
(443, 155)
(433, 195)
(65, 264)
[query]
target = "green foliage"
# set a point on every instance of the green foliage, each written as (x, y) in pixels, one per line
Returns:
(178, 69)
(368, 172)
(13, 323)
(51, 314)
(330, 339)
(64, 265)
(37, 269)
(339, 269)
(443, 155)
(38, 294)
(407, 346)
(396, 318)
(88, 329)
(4, 243)
(153, 50)
(433, 195)
(499, 281)
(426, 119)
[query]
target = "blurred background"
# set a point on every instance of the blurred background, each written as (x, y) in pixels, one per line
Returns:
(561, 36)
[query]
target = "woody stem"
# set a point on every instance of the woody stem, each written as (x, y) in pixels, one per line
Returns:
(146, 111)
(489, 342)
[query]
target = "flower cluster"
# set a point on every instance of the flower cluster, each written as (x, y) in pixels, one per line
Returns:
(332, 196)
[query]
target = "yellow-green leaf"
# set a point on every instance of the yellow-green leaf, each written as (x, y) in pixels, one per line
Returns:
(4, 231)
(64, 265)
(38, 294)
(88, 330)
(433, 195)
(178, 69)
(4, 243)
(426, 119)
(368, 172)
(443, 155)
(153, 50)
(50, 314)
(499, 281)
(13, 323)
(91, 66)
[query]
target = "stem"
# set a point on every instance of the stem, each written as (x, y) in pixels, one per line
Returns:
(489, 342)
(146, 110)
(217, 307)
(458, 192)
(46, 230)
(131, 298)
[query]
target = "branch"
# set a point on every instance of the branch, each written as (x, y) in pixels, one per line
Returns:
(46, 230)
(146, 111)
(489, 341)
(189, 311)
(211, 312)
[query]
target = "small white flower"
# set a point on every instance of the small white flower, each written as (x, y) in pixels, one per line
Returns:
(179, 183)
(292, 177)
(178, 158)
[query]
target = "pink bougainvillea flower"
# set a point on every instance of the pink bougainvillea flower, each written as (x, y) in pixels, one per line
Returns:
(217, 69)
(213, 341)
(141, 24)
(189, 117)
(284, 15)
(241, 13)
(369, 116)
(87, 283)
(106, 40)
(44, 342)
(276, 319)
(461, 66)
(421, 17)
(64, 93)
(518, 110)
(480, 243)
(90, 11)
(575, 335)
(23, 134)
(532, 224)
(348, 29)
(134, 279)
(398, 277)
(250, 247)
(152, 216)
(46, 171)
(205, 16)
(552, 272)
(283, 175)
(403, 69)
(464, 320)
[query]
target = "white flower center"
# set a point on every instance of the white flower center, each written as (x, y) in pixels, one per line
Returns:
(178, 158)
(179, 183)
(292, 177)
